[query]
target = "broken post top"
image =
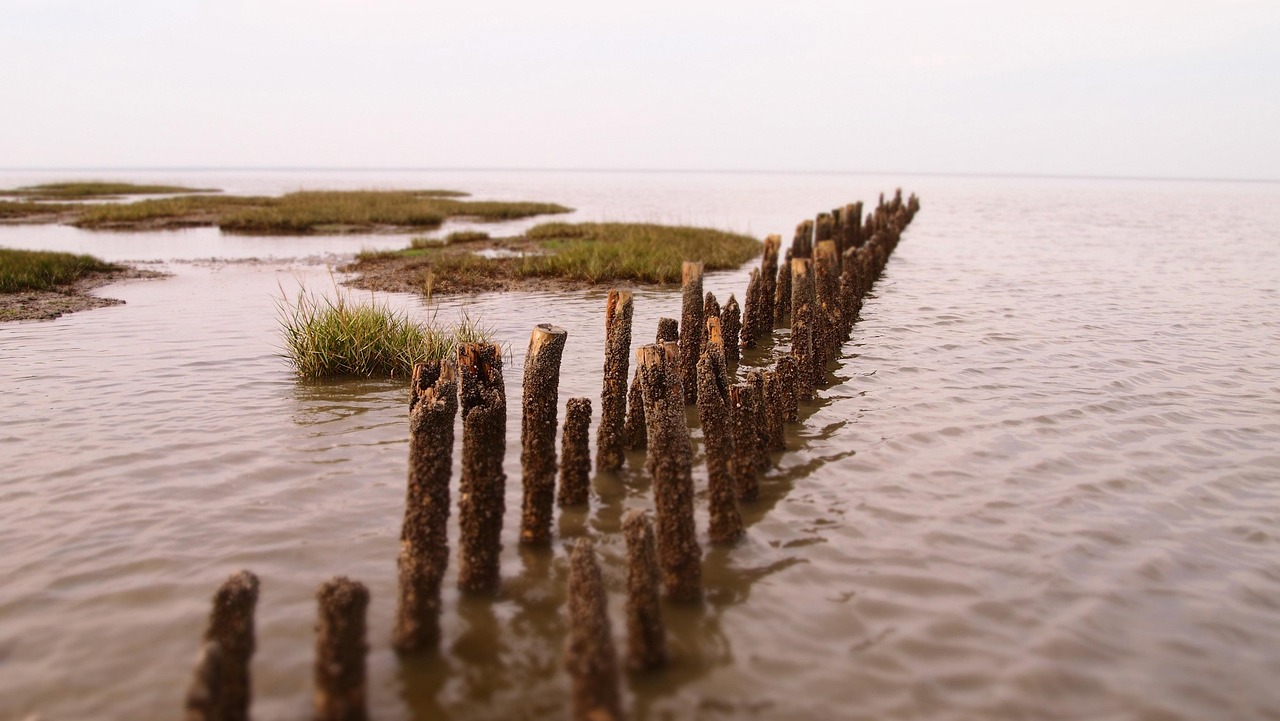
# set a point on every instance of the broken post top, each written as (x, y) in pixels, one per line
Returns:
(544, 334)
(618, 301)
(668, 330)
(690, 272)
(430, 382)
(480, 365)
(657, 354)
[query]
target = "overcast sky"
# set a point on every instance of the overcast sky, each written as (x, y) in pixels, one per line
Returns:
(1160, 88)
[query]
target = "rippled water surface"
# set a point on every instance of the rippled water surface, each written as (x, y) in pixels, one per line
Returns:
(1043, 482)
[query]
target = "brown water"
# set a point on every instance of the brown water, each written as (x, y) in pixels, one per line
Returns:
(1043, 483)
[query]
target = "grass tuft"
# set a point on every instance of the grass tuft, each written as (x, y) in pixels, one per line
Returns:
(14, 209)
(328, 338)
(98, 189)
(24, 270)
(341, 211)
(641, 252)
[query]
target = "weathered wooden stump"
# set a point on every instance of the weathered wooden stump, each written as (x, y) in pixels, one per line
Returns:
(752, 311)
(424, 536)
(786, 369)
(826, 287)
(611, 434)
(782, 291)
(710, 306)
(590, 657)
(690, 330)
(539, 407)
(745, 431)
(713, 413)
(231, 627)
(802, 322)
(731, 330)
(775, 410)
(670, 463)
(575, 461)
(340, 651)
(205, 693)
(482, 489)
(769, 282)
(646, 634)
(759, 451)
(668, 330)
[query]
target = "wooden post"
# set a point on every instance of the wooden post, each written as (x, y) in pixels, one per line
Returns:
(424, 536)
(850, 297)
(590, 657)
(610, 436)
(538, 431)
(710, 306)
(782, 291)
(231, 628)
(668, 330)
(746, 437)
(670, 464)
(731, 328)
(826, 286)
(758, 452)
(575, 460)
(690, 330)
(775, 411)
(205, 694)
(635, 430)
(646, 634)
(802, 243)
(482, 489)
(786, 369)
(713, 413)
(769, 282)
(802, 315)
(340, 651)
(751, 313)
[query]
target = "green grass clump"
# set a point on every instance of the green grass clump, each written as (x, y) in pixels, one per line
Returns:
(337, 211)
(96, 189)
(328, 338)
(466, 236)
(641, 252)
(24, 270)
(10, 209)
(180, 211)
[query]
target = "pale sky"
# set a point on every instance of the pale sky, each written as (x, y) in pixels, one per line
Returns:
(1166, 88)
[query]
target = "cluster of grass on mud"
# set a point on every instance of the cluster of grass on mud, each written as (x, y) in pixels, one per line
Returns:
(577, 254)
(27, 270)
(86, 190)
(19, 209)
(339, 337)
(308, 212)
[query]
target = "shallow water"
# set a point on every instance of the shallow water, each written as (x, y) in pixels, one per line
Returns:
(1041, 484)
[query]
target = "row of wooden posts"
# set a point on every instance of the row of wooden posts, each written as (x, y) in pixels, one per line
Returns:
(828, 268)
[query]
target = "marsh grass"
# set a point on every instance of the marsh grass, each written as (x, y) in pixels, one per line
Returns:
(167, 212)
(640, 252)
(12, 209)
(336, 337)
(25, 270)
(97, 189)
(340, 211)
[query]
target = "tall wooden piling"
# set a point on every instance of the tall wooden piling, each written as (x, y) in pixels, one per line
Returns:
(670, 463)
(646, 633)
(758, 452)
(483, 485)
(827, 327)
(424, 537)
(690, 329)
(769, 282)
(231, 627)
(341, 693)
(774, 411)
(205, 695)
(786, 370)
(575, 459)
(782, 291)
(745, 431)
(590, 657)
(710, 306)
(731, 329)
(538, 432)
(713, 413)
(610, 436)
(802, 321)
(751, 313)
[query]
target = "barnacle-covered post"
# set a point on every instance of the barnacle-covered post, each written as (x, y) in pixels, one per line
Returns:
(341, 693)
(575, 459)
(231, 628)
(786, 370)
(827, 335)
(690, 329)
(751, 312)
(774, 411)
(610, 436)
(670, 463)
(782, 290)
(769, 282)
(590, 657)
(713, 413)
(802, 315)
(731, 329)
(758, 452)
(646, 634)
(424, 537)
(710, 306)
(205, 694)
(482, 488)
(744, 428)
(538, 432)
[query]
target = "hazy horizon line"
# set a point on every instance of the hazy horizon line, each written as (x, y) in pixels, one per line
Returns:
(708, 171)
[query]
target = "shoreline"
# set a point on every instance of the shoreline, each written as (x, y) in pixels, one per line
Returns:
(28, 305)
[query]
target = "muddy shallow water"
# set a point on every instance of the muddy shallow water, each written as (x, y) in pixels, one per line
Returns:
(1044, 481)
